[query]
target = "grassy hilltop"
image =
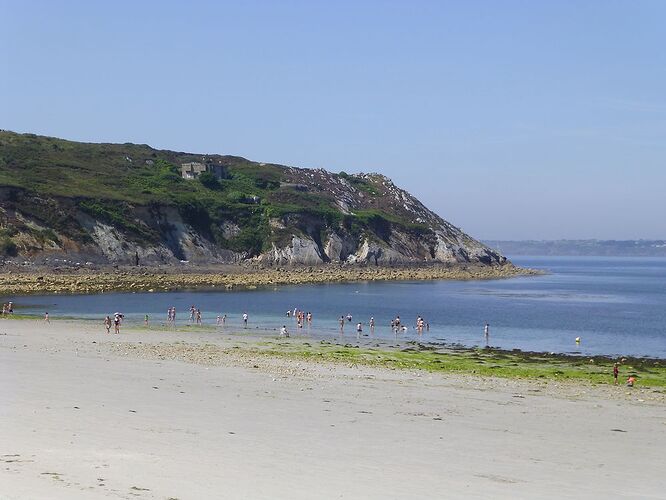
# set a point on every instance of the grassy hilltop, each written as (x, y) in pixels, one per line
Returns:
(53, 188)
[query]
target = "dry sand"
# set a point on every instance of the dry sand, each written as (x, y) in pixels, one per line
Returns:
(90, 415)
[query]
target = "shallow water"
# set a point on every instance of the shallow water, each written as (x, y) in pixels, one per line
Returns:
(616, 305)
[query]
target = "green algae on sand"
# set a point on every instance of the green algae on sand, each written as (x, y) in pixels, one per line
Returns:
(483, 362)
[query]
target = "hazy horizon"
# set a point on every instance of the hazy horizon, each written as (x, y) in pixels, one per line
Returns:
(511, 121)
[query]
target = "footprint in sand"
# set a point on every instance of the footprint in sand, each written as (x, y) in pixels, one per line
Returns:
(54, 475)
(499, 479)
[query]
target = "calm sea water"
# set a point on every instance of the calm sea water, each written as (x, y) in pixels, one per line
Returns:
(616, 305)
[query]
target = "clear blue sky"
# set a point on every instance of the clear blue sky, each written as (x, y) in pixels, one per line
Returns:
(510, 119)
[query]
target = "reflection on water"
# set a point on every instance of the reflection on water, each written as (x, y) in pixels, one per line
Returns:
(617, 306)
(555, 295)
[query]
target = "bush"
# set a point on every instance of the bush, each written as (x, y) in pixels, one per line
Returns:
(195, 213)
(8, 247)
(8, 231)
(210, 181)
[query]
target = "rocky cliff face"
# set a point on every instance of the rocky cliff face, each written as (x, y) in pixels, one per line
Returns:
(268, 214)
(422, 236)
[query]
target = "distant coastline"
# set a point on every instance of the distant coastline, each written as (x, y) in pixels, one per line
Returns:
(597, 248)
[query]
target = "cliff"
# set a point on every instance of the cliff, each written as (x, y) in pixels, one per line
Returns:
(123, 203)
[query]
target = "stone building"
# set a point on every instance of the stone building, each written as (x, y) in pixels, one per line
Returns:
(192, 170)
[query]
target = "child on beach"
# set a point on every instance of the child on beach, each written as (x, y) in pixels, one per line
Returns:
(284, 332)
(46, 317)
(145, 320)
(616, 372)
(107, 324)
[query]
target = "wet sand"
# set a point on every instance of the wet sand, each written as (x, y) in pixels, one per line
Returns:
(90, 415)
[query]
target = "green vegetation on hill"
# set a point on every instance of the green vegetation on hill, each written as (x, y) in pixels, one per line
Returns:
(109, 181)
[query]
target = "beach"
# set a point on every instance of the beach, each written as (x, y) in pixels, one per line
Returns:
(149, 414)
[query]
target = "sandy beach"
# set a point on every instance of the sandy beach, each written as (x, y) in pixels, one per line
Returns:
(149, 414)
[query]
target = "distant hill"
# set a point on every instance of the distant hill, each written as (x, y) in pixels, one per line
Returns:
(617, 248)
(122, 203)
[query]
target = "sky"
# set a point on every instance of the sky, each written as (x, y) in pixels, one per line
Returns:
(511, 119)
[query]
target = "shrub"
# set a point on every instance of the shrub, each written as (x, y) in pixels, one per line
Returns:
(8, 247)
(210, 181)
(8, 231)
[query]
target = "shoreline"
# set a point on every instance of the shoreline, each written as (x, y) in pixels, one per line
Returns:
(233, 277)
(484, 363)
(398, 353)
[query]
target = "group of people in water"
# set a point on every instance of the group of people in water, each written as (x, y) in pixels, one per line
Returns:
(303, 318)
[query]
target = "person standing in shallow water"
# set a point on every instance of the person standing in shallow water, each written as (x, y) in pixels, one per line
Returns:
(245, 320)
(486, 332)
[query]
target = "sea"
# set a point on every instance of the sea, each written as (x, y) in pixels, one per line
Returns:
(615, 306)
